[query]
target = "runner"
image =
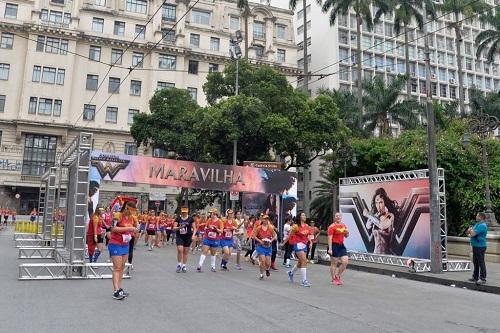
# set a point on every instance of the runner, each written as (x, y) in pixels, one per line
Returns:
(300, 237)
(239, 234)
(286, 244)
(211, 238)
(313, 238)
(142, 226)
(263, 236)
(134, 235)
(6, 214)
(169, 225)
(183, 227)
(197, 221)
(151, 227)
(92, 236)
(200, 231)
(98, 225)
(250, 227)
(14, 216)
(161, 235)
(108, 222)
(33, 215)
(121, 234)
(226, 242)
(337, 231)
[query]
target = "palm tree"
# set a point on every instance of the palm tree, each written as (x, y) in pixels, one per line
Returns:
(383, 105)
(322, 204)
(457, 8)
(293, 5)
(405, 12)
(488, 103)
(363, 14)
(489, 39)
(245, 12)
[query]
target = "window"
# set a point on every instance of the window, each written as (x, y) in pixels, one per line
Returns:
(342, 19)
(434, 88)
(131, 114)
(55, 16)
(258, 30)
(100, 3)
(234, 22)
(10, 11)
(281, 56)
(2, 103)
(95, 53)
(52, 45)
(168, 35)
(37, 72)
(97, 24)
(443, 90)
(61, 73)
(167, 61)
(300, 30)
(379, 62)
(111, 114)
(213, 68)
(140, 31)
(116, 56)
(259, 51)
(32, 105)
(193, 67)
(423, 87)
(4, 71)
(165, 85)
(135, 88)
(442, 74)
(280, 31)
(61, 2)
(366, 42)
(200, 17)
(63, 50)
(214, 44)
(57, 108)
(343, 37)
(344, 73)
(39, 154)
(195, 40)
(453, 92)
(137, 6)
(89, 112)
(379, 44)
(159, 152)
(114, 85)
(193, 92)
(92, 82)
(130, 148)
(7, 40)
(343, 55)
(388, 29)
(45, 106)
(119, 29)
(451, 59)
(137, 59)
(378, 28)
(49, 75)
(168, 13)
(449, 44)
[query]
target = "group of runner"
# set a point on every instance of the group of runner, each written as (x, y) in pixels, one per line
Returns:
(5, 213)
(215, 234)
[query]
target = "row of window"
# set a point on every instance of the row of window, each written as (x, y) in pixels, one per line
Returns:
(119, 28)
(45, 106)
(55, 16)
(47, 74)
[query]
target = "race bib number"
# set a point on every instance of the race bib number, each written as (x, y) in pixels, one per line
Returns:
(301, 246)
(126, 238)
(229, 234)
(310, 237)
(169, 228)
(212, 234)
(183, 231)
(151, 226)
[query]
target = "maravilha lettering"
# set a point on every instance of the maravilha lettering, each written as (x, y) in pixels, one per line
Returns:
(198, 174)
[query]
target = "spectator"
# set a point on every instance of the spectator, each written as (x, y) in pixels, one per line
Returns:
(477, 234)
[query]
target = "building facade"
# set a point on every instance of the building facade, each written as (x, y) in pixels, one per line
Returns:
(65, 67)
(332, 52)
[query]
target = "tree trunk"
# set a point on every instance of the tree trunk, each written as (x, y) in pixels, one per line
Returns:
(407, 65)
(246, 36)
(458, 45)
(306, 62)
(358, 59)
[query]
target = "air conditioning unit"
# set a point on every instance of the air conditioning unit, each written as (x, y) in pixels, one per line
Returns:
(388, 69)
(452, 81)
(413, 74)
(433, 76)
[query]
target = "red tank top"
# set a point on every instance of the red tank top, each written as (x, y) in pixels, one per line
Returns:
(151, 223)
(302, 234)
(210, 232)
(262, 234)
(228, 230)
(122, 238)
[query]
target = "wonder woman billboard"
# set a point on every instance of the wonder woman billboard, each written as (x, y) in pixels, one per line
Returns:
(387, 217)
(177, 173)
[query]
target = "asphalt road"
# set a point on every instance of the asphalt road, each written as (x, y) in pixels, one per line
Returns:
(236, 301)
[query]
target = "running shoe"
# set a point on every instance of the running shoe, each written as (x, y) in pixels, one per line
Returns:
(305, 283)
(261, 277)
(268, 273)
(150, 248)
(288, 265)
(336, 281)
(223, 267)
(118, 294)
(213, 269)
(198, 269)
(290, 276)
(339, 281)
(238, 267)
(178, 269)
(123, 292)
(184, 269)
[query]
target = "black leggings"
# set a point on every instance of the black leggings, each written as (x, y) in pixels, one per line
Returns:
(288, 252)
(131, 250)
(249, 252)
(275, 250)
(169, 232)
(311, 249)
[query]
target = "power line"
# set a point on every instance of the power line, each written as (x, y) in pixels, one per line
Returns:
(390, 39)
(139, 63)
(413, 40)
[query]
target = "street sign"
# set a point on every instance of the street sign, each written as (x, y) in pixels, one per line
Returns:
(234, 196)
(157, 204)
(263, 165)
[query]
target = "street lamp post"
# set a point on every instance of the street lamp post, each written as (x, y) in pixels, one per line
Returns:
(342, 154)
(482, 125)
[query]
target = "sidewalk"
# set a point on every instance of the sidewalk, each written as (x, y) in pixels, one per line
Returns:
(458, 279)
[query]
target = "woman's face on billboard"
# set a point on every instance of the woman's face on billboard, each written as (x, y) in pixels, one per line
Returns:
(380, 204)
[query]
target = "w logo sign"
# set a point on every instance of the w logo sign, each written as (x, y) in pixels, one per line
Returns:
(109, 165)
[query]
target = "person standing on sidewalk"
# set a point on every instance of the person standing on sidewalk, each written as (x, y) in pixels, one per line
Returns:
(286, 244)
(477, 234)
(314, 241)
(337, 231)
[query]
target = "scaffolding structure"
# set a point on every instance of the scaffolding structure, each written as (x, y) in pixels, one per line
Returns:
(418, 265)
(68, 255)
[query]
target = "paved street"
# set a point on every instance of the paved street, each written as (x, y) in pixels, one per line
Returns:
(236, 301)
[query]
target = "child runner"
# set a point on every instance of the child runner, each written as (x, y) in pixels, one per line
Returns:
(183, 227)
(211, 239)
(337, 231)
(264, 236)
(300, 232)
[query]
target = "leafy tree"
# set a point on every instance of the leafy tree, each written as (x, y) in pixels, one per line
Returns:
(363, 14)
(460, 8)
(382, 105)
(481, 102)
(445, 112)
(405, 12)
(322, 204)
(489, 39)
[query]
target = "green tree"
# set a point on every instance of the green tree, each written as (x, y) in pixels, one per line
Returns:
(481, 102)
(406, 12)
(489, 39)
(383, 105)
(363, 14)
(445, 112)
(322, 204)
(245, 13)
(457, 8)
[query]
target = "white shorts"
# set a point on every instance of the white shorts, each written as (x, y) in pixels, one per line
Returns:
(237, 242)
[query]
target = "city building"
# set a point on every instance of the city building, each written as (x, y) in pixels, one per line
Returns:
(65, 67)
(332, 52)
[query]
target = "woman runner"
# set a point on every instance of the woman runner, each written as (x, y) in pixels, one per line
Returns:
(196, 238)
(183, 227)
(300, 233)
(151, 227)
(169, 225)
(226, 242)
(250, 227)
(211, 240)
(337, 231)
(121, 234)
(264, 236)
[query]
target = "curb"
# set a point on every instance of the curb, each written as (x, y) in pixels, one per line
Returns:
(421, 277)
